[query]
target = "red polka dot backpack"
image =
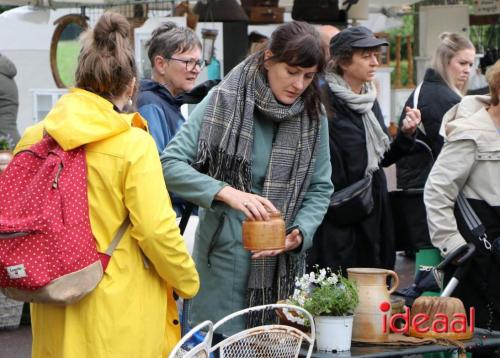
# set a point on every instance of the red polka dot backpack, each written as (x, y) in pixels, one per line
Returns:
(47, 250)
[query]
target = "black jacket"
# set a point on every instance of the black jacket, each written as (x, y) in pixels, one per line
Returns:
(435, 99)
(369, 243)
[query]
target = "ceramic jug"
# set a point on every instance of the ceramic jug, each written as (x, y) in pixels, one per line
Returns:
(374, 303)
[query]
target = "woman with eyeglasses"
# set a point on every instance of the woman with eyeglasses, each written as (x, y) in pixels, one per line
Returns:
(256, 144)
(175, 55)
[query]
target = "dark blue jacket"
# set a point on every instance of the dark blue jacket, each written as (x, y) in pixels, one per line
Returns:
(162, 111)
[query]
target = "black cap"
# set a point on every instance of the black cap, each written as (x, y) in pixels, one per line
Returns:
(355, 37)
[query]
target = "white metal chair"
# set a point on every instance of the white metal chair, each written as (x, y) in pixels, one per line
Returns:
(266, 341)
(201, 350)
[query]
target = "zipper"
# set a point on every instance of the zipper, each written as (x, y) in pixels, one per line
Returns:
(12, 235)
(215, 236)
(55, 183)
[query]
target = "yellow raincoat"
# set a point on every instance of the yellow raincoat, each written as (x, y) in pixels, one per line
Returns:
(126, 315)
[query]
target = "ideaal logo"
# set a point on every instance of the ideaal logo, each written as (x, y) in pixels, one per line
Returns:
(420, 322)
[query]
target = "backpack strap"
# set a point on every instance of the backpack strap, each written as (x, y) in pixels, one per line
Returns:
(118, 237)
(186, 214)
(473, 222)
(106, 256)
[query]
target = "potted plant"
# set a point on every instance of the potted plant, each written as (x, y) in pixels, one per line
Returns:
(331, 298)
(5, 151)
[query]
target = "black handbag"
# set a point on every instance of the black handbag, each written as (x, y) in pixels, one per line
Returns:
(353, 203)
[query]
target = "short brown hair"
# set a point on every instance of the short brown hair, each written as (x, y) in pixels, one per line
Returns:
(493, 77)
(343, 57)
(106, 63)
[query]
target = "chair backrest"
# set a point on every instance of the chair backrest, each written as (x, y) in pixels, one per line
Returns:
(272, 340)
(201, 350)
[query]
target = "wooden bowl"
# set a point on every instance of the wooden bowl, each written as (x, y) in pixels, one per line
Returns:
(264, 235)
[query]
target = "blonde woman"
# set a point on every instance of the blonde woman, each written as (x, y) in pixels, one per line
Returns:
(445, 82)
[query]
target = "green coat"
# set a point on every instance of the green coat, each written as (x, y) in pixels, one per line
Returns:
(221, 260)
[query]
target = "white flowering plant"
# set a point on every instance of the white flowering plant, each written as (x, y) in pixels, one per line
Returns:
(324, 293)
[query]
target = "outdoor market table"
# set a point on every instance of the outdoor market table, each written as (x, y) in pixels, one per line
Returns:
(482, 338)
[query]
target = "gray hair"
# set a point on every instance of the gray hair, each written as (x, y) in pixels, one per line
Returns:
(168, 38)
(450, 44)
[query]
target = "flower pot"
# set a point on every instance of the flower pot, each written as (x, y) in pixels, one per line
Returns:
(333, 333)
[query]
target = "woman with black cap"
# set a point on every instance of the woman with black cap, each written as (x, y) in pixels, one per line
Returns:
(358, 232)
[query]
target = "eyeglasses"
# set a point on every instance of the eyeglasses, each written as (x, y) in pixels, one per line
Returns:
(190, 64)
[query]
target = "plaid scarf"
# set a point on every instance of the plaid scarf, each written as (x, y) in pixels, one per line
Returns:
(225, 153)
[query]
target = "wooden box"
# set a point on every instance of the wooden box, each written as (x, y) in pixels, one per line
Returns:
(250, 3)
(265, 14)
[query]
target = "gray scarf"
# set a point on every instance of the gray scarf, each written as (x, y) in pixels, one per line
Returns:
(377, 141)
(225, 153)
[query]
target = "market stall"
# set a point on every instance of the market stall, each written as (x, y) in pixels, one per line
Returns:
(482, 338)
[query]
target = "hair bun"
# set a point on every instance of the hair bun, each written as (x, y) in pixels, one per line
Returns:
(445, 35)
(109, 28)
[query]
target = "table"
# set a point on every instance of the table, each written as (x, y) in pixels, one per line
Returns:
(482, 338)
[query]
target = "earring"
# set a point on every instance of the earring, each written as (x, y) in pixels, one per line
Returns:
(129, 102)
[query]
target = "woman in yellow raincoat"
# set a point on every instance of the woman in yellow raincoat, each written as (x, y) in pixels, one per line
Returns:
(126, 315)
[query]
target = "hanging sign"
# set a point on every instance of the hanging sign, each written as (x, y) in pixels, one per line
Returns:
(486, 7)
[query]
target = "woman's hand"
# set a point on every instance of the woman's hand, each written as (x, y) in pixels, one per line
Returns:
(411, 121)
(292, 241)
(255, 207)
